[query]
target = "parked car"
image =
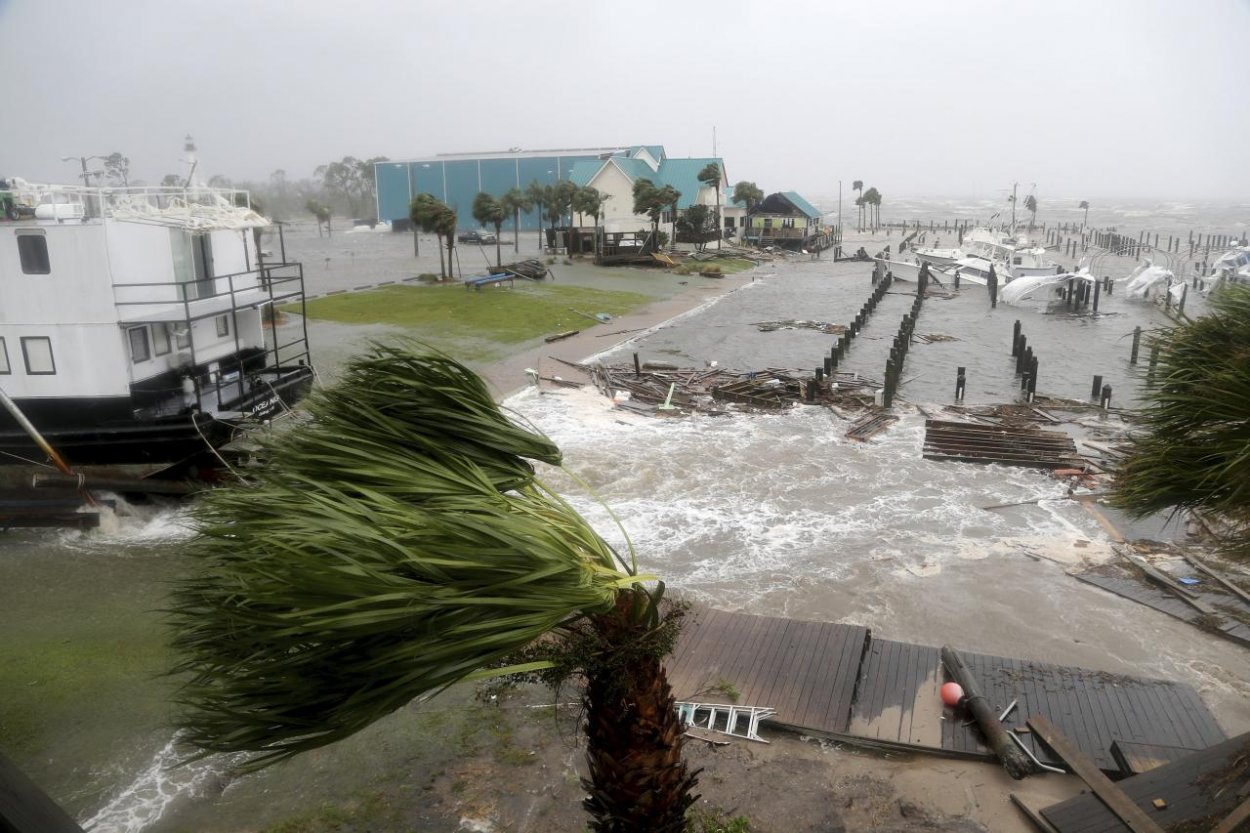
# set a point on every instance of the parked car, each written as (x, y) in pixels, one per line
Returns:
(477, 235)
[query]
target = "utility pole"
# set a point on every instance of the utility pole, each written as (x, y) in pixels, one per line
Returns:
(1013, 205)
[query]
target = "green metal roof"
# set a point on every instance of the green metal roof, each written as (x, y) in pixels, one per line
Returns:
(584, 170)
(801, 204)
(683, 174)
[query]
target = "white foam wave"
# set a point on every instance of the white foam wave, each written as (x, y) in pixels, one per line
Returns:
(142, 802)
(772, 501)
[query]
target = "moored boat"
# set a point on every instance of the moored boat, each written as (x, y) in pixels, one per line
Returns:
(134, 325)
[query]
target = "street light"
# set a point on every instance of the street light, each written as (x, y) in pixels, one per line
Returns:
(416, 246)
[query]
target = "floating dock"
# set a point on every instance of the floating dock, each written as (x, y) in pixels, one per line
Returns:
(840, 682)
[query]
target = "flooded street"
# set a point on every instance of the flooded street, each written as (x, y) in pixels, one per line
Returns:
(776, 514)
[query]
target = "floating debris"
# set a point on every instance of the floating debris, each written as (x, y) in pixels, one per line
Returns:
(931, 338)
(819, 326)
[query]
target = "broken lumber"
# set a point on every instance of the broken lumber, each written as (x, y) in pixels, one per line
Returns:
(1102, 786)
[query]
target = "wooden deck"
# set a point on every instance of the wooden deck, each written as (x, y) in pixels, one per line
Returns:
(838, 681)
(804, 670)
(1204, 786)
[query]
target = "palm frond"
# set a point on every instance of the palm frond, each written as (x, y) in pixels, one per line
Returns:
(395, 545)
(1193, 450)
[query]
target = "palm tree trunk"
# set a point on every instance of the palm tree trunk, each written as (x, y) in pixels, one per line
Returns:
(540, 227)
(516, 231)
(442, 271)
(498, 255)
(638, 780)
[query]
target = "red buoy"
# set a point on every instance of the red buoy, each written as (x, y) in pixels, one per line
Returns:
(952, 693)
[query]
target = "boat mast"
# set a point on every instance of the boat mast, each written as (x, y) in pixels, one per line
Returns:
(1014, 185)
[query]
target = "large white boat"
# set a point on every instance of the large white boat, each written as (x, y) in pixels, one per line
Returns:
(133, 324)
(1011, 255)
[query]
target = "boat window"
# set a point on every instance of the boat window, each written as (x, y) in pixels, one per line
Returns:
(223, 325)
(37, 351)
(5, 369)
(160, 339)
(139, 350)
(32, 247)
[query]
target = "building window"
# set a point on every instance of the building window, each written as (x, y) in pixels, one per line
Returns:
(223, 326)
(37, 351)
(788, 222)
(139, 350)
(32, 247)
(5, 369)
(729, 222)
(768, 222)
(160, 339)
(182, 336)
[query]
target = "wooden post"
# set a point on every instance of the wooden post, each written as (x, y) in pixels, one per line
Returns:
(1104, 401)
(1015, 338)
(1132, 356)
(960, 383)
(997, 737)
(1097, 292)
(637, 366)
(1094, 391)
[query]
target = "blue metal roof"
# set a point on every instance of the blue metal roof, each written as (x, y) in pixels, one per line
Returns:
(801, 204)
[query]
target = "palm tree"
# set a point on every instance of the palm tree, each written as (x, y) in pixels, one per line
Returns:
(398, 543)
(514, 202)
(488, 211)
(647, 201)
(322, 213)
(1084, 205)
(428, 212)
(711, 175)
(1030, 205)
(588, 200)
(748, 194)
(1193, 449)
(562, 197)
(858, 185)
(538, 196)
(872, 199)
(445, 224)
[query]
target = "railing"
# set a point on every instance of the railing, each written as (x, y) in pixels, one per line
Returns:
(190, 207)
(780, 233)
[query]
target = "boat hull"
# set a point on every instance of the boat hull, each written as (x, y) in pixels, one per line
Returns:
(87, 432)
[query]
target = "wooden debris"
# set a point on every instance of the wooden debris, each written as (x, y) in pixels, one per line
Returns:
(563, 335)
(973, 443)
(1111, 795)
(870, 426)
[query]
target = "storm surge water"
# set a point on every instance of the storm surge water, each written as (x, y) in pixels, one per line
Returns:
(765, 513)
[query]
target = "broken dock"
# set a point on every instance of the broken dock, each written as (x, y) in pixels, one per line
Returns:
(841, 682)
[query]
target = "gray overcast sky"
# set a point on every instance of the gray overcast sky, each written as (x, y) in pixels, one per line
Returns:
(1085, 98)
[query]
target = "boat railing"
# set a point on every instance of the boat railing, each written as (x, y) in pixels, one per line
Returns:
(193, 206)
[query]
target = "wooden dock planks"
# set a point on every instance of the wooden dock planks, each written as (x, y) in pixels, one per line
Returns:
(804, 670)
(1201, 788)
(838, 681)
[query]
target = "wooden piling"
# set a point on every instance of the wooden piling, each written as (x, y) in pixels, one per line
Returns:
(1096, 389)
(1105, 399)
(1132, 356)
(1015, 338)
(998, 738)
(960, 383)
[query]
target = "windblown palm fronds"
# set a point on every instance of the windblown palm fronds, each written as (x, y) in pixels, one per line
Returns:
(1194, 449)
(392, 547)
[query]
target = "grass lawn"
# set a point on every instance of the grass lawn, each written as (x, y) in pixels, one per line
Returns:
(468, 323)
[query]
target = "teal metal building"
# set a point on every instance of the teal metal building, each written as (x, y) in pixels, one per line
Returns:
(456, 178)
